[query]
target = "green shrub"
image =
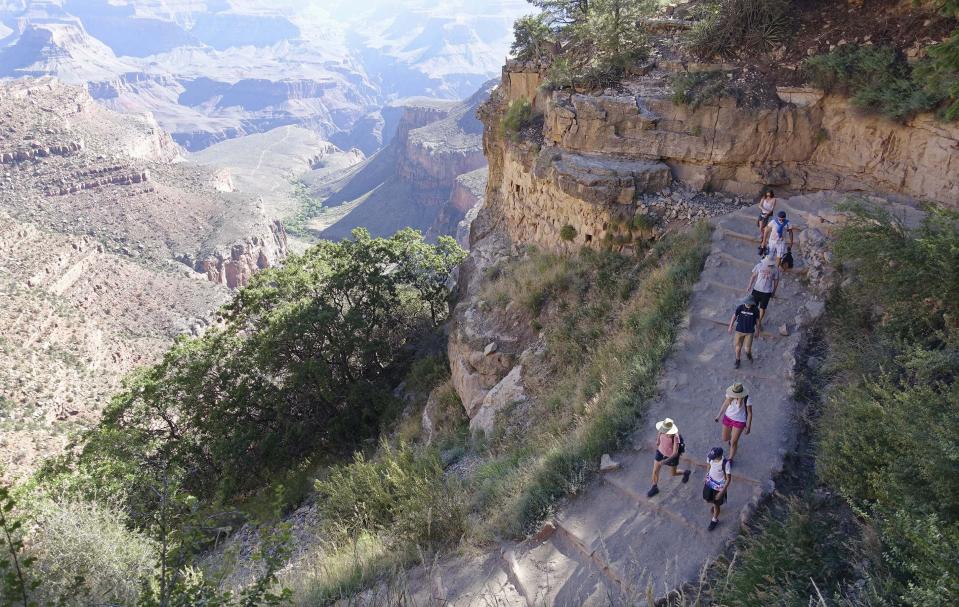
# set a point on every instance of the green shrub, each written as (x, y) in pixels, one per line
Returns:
(878, 78)
(728, 28)
(532, 38)
(86, 555)
(518, 116)
(567, 233)
(696, 89)
(402, 493)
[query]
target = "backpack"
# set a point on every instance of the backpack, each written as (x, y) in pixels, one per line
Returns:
(682, 445)
(787, 260)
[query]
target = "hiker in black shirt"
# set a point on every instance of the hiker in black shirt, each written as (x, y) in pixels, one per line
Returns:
(744, 321)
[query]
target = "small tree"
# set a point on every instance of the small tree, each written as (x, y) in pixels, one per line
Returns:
(16, 585)
(532, 38)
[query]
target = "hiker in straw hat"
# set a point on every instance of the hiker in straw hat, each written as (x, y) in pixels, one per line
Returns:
(737, 415)
(669, 446)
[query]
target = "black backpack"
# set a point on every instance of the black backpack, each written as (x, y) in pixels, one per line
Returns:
(787, 261)
(682, 445)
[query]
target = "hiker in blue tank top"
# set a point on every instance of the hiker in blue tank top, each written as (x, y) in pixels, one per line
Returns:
(745, 320)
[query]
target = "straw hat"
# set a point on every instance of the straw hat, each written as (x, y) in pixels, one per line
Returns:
(667, 426)
(737, 390)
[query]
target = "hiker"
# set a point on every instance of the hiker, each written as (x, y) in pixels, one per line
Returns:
(763, 283)
(774, 236)
(746, 322)
(718, 479)
(767, 205)
(669, 446)
(737, 415)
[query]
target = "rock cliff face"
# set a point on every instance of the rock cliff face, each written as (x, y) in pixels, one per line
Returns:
(411, 181)
(235, 264)
(810, 142)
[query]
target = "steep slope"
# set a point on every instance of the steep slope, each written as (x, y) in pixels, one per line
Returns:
(94, 207)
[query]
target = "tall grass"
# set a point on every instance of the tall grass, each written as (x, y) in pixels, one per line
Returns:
(613, 319)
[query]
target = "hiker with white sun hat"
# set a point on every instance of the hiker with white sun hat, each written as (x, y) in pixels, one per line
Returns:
(736, 413)
(669, 446)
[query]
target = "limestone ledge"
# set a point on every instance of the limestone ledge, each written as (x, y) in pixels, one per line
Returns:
(814, 143)
(234, 265)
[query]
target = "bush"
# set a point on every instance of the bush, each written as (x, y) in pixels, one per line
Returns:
(402, 493)
(696, 89)
(732, 27)
(941, 73)
(567, 233)
(518, 116)
(596, 42)
(532, 38)
(86, 555)
(878, 78)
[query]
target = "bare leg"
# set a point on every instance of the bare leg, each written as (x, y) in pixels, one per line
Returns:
(726, 434)
(736, 433)
(762, 315)
(716, 509)
(739, 347)
(656, 467)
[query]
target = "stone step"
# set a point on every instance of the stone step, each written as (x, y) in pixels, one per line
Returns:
(553, 572)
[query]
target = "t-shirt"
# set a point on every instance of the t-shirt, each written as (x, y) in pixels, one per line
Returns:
(716, 476)
(774, 226)
(766, 276)
(666, 444)
(736, 410)
(746, 319)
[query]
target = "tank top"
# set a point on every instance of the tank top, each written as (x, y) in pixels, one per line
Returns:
(666, 445)
(736, 410)
(767, 205)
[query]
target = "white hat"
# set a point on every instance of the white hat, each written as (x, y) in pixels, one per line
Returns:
(667, 426)
(769, 260)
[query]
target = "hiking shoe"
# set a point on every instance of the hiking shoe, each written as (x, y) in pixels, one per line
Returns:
(737, 363)
(749, 356)
(686, 476)
(652, 491)
(712, 525)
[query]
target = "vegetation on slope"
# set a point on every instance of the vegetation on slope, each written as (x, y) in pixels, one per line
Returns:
(881, 526)
(302, 365)
(585, 43)
(613, 317)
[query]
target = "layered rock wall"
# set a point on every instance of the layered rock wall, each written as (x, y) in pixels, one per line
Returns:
(234, 265)
(810, 142)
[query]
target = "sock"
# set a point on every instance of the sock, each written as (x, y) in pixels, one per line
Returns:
(715, 520)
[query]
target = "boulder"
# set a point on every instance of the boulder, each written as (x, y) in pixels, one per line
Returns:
(507, 392)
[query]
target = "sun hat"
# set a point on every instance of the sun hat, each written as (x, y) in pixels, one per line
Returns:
(667, 426)
(714, 453)
(749, 300)
(737, 390)
(769, 260)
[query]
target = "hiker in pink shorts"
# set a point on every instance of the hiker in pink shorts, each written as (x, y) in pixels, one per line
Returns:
(737, 416)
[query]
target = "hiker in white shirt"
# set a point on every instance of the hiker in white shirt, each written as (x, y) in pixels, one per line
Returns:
(716, 486)
(774, 236)
(763, 283)
(767, 205)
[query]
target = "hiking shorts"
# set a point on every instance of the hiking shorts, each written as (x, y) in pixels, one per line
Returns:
(744, 340)
(762, 299)
(667, 461)
(709, 494)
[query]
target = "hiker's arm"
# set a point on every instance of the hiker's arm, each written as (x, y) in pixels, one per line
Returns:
(722, 409)
(729, 481)
(752, 280)
(775, 285)
(732, 321)
(749, 418)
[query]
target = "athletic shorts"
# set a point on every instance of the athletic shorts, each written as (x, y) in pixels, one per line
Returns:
(764, 220)
(709, 494)
(746, 339)
(671, 461)
(762, 299)
(732, 423)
